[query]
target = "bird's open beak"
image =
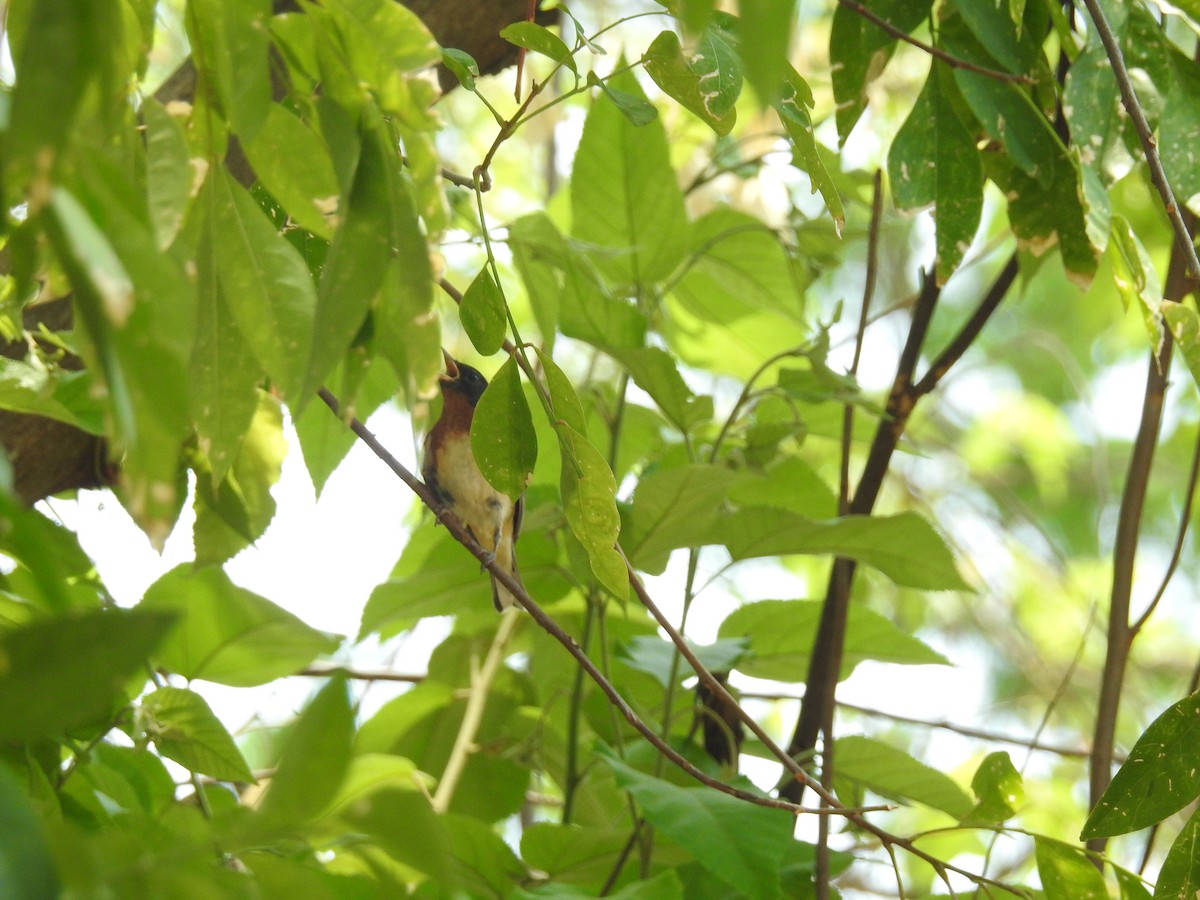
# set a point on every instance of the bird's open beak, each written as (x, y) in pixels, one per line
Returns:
(451, 373)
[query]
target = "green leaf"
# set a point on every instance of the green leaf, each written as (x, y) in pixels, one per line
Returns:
(636, 109)
(1012, 46)
(653, 655)
(1067, 872)
(169, 174)
(183, 728)
(539, 39)
(1185, 329)
(235, 512)
(61, 51)
(539, 253)
(502, 436)
(1180, 130)
(763, 34)
(625, 200)
(656, 372)
(673, 508)
(27, 868)
(895, 775)
(266, 285)
(228, 634)
(791, 483)
(358, 260)
(1131, 884)
(588, 313)
(60, 674)
(781, 634)
(589, 499)
(793, 108)
(463, 65)
(904, 547)
(61, 576)
(571, 853)
(933, 160)
(739, 267)
(563, 399)
(315, 759)
(482, 313)
(29, 387)
(485, 865)
(294, 165)
(1136, 279)
(1180, 872)
(738, 842)
(859, 51)
(231, 44)
(999, 790)
(706, 82)
(402, 823)
(1157, 779)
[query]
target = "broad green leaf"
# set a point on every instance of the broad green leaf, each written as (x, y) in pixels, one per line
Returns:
(563, 399)
(371, 772)
(933, 160)
(463, 65)
(1092, 106)
(61, 577)
(29, 387)
(673, 508)
(402, 823)
(484, 864)
(571, 853)
(358, 259)
(999, 790)
(539, 39)
(738, 842)
(59, 54)
(294, 165)
(1180, 872)
(589, 499)
(27, 867)
(657, 373)
(228, 634)
(1157, 779)
(225, 372)
(859, 50)
(789, 484)
(904, 547)
(781, 634)
(625, 200)
(738, 266)
(764, 32)
(653, 655)
(539, 253)
(384, 42)
(482, 313)
(135, 777)
(893, 774)
(315, 759)
(502, 436)
(169, 175)
(793, 107)
(230, 41)
(266, 285)
(1015, 48)
(1067, 872)
(1180, 130)
(1185, 329)
(183, 728)
(235, 512)
(1010, 116)
(705, 81)
(588, 313)
(64, 673)
(1136, 279)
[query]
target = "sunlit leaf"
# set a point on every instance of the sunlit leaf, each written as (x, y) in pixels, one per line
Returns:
(502, 436)
(539, 39)
(1067, 872)
(184, 729)
(482, 313)
(895, 775)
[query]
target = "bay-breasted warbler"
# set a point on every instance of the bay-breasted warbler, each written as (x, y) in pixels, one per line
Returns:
(450, 471)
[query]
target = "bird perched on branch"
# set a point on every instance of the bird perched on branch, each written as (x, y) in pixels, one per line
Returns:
(450, 471)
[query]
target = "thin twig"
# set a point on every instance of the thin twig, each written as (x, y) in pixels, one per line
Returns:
(1183, 239)
(459, 532)
(360, 674)
(949, 59)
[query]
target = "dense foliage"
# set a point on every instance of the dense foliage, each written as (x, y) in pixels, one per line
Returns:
(816, 314)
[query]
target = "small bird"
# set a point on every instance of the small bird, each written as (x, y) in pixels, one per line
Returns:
(450, 471)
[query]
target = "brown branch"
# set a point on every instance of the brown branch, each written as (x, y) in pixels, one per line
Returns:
(949, 59)
(1183, 232)
(459, 532)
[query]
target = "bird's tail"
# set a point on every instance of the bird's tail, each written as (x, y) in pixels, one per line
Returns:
(502, 597)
